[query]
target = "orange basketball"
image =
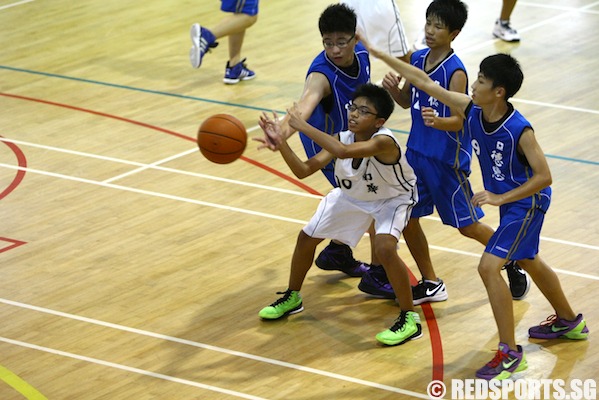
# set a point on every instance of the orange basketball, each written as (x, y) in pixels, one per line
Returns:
(222, 138)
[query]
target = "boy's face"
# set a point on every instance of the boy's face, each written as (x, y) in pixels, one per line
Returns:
(362, 116)
(339, 48)
(437, 34)
(483, 91)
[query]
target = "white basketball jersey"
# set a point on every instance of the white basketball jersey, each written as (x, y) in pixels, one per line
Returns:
(369, 179)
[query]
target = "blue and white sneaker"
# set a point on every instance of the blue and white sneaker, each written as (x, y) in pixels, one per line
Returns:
(238, 72)
(202, 40)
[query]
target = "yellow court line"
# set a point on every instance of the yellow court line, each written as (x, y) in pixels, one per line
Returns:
(20, 385)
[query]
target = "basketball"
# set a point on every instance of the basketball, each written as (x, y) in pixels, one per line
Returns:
(222, 138)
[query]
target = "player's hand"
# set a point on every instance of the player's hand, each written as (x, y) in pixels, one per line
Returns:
(272, 132)
(428, 116)
(361, 38)
(485, 197)
(391, 83)
(295, 117)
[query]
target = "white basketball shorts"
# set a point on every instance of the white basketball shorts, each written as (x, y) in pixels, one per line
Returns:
(346, 219)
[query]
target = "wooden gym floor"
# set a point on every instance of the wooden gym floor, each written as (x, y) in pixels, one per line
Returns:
(133, 268)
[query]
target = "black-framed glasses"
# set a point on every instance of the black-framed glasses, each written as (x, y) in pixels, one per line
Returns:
(341, 44)
(362, 110)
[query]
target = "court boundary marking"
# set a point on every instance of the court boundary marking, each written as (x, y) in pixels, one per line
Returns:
(18, 3)
(14, 243)
(25, 389)
(156, 166)
(437, 365)
(192, 343)
(466, 51)
(262, 214)
(17, 383)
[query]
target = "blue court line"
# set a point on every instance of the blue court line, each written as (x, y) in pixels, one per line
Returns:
(182, 96)
(577, 160)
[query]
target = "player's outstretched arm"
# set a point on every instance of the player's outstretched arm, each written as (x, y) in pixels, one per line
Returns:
(274, 133)
(380, 146)
(419, 78)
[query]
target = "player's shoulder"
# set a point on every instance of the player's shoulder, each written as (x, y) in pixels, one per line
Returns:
(521, 120)
(360, 48)
(456, 60)
(383, 131)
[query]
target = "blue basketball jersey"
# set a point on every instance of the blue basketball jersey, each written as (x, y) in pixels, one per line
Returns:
(502, 167)
(330, 115)
(452, 148)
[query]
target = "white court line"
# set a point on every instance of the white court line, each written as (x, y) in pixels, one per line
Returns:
(486, 43)
(15, 4)
(155, 164)
(560, 8)
(559, 106)
(561, 17)
(149, 166)
(182, 172)
(202, 346)
(155, 194)
(130, 369)
(157, 167)
(257, 213)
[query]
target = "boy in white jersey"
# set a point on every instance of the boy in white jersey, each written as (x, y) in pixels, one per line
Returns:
(332, 77)
(516, 178)
(375, 183)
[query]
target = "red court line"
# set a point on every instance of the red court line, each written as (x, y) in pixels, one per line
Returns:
(433, 328)
(14, 243)
(22, 162)
(156, 128)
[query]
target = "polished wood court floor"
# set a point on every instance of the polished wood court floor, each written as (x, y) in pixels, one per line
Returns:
(133, 268)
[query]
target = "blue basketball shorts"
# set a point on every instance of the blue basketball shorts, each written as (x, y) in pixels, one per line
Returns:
(249, 7)
(445, 188)
(519, 232)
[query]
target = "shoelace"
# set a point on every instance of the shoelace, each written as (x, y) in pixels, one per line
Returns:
(508, 27)
(400, 323)
(552, 319)
(499, 356)
(511, 265)
(283, 299)
(205, 47)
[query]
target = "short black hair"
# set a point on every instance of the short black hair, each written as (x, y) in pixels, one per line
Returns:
(378, 96)
(337, 18)
(503, 70)
(453, 13)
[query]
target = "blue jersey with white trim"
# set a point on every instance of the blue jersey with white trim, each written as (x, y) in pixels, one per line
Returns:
(452, 148)
(332, 117)
(502, 167)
